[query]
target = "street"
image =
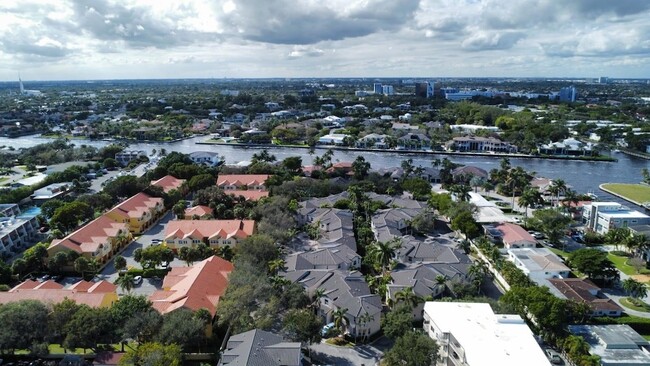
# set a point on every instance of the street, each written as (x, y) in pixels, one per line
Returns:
(359, 355)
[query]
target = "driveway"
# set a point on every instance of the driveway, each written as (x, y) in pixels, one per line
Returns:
(149, 285)
(367, 354)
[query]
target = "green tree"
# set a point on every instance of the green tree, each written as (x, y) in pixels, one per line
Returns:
(594, 263)
(153, 354)
(420, 188)
(340, 320)
(182, 328)
(380, 254)
(59, 318)
(82, 265)
(302, 325)
(407, 297)
(634, 288)
(68, 216)
(551, 222)
(49, 207)
(360, 167)
(119, 263)
(530, 198)
(412, 349)
(257, 249)
(129, 305)
(125, 282)
(201, 181)
(89, 327)
(397, 322)
(153, 256)
(23, 324)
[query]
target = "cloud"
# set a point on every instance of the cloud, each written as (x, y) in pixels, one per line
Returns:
(305, 51)
(482, 41)
(310, 22)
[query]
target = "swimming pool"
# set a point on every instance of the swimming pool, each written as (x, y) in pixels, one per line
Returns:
(30, 212)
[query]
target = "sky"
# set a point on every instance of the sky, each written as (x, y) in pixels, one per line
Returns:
(139, 39)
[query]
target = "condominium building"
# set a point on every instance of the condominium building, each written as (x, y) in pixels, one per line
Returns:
(471, 334)
(17, 230)
(602, 216)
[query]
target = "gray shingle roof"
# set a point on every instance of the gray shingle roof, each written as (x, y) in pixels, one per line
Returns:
(340, 256)
(260, 348)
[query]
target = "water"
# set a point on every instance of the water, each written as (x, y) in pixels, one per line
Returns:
(582, 176)
(30, 212)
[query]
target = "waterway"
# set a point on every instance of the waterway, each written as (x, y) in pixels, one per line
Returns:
(582, 176)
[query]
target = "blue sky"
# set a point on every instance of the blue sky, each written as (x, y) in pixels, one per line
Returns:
(103, 39)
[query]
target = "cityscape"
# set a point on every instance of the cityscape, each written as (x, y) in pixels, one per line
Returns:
(413, 182)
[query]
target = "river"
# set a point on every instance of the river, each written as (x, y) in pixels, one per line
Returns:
(582, 176)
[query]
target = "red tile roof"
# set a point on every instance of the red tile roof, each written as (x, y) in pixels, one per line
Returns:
(249, 195)
(242, 179)
(89, 293)
(136, 206)
(513, 234)
(89, 237)
(199, 210)
(168, 183)
(199, 229)
(196, 287)
(581, 290)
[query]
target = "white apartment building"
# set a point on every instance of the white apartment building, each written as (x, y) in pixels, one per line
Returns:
(470, 334)
(17, 230)
(539, 264)
(602, 216)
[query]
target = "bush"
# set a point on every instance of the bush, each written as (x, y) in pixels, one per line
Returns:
(134, 272)
(620, 253)
(4, 288)
(154, 272)
(640, 325)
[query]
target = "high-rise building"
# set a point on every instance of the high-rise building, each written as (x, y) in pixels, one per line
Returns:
(377, 87)
(424, 89)
(388, 89)
(603, 80)
(22, 88)
(568, 94)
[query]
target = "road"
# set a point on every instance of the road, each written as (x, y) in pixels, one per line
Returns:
(360, 355)
(149, 285)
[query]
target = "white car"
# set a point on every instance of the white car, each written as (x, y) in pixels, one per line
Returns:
(137, 280)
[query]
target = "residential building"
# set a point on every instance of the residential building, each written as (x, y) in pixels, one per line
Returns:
(414, 141)
(139, 212)
(602, 216)
(470, 334)
(214, 233)
(337, 139)
(566, 147)
(18, 230)
(200, 211)
(208, 158)
(472, 128)
(615, 344)
(405, 127)
(245, 182)
(100, 239)
(513, 236)
(584, 291)
(412, 250)
(343, 290)
(169, 183)
(487, 212)
(199, 286)
(249, 195)
(335, 225)
(391, 223)
(102, 294)
(479, 144)
(468, 171)
(373, 141)
(258, 347)
(336, 257)
(539, 264)
(55, 190)
(124, 157)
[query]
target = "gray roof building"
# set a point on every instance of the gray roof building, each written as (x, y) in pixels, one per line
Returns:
(260, 348)
(338, 257)
(615, 344)
(413, 250)
(336, 226)
(390, 223)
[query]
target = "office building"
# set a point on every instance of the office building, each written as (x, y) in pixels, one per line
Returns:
(388, 90)
(568, 94)
(424, 89)
(377, 88)
(602, 216)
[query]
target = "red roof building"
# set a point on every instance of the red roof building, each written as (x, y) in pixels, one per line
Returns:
(215, 233)
(168, 183)
(200, 211)
(249, 195)
(514, 236)
(197, 287)
(580, 290)
(139, 211)
(93, 294)
(232, 182)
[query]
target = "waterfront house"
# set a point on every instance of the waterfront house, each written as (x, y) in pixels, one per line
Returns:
(414, 141)
(603, 216)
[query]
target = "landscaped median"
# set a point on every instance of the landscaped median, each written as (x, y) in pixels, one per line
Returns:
(635, 193)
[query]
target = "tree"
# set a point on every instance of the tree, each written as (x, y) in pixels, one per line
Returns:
(88, 328)
(263, 156)
(397, 322)
(59, 317)
(465, 223)
(257, 249)
(153, 256)
(380, 254)
(594, 263)
(19, 267)
(635, 288)
(119, 263)
(110, 163)
(82, 265)
(125, 282)
(340, 321)
(129, 305)
(23, 324)
(142, 326)
(551, 222)
(182, 328)
(530, 198)
(646, 175)
(302, 326)
(67, 217)
(153, 354)
(412, 349)
(201, 181)
(407, 297)
(276, 266)
(461, 192)
(420, 188)
(360, 167)
(424, 222)
(179, 209)
(293, 164)
(50, 206)
(124, 186)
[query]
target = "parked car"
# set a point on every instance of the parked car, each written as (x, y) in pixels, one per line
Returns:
(137, 280)
(554, 357)
(326, 329)
(44, 278)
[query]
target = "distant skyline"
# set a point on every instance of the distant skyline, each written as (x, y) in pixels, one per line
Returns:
(140, 39)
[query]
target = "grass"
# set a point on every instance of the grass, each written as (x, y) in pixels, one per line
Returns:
(635, 304)
(636, 192)
(559, 252)
(621, 263)
(339, 342)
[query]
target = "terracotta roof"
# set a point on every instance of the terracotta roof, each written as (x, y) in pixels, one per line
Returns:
(249, 195)
(89, 237)
(89, 293)
(200, 229)
(242, 179)
(199, 210)
(136, 206)
(168, 182)
(513, 233)
(196, 287)
(581, 290)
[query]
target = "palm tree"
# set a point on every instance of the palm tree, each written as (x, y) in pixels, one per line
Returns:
(278, 282)
(441, 282)
(364, 319)
(461, 191)
(634, 288)
(119, 263)
(125, 282)
(318, 294)
(340, 321)
(529, 198)
(558, 186)
(382, 253)
(277, 265)
(408, 297)
(635, 243)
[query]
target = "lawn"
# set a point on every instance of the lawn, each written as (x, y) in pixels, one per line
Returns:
(636, 192)
(634, 304)
(621, 263)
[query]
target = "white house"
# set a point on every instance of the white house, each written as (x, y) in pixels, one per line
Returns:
(539, 264)
(333, 139)
(602, 216)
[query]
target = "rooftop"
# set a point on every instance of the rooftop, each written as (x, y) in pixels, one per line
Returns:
(539, 259)
(200, 229)
(615, 344)
(260, 348)
(89, 293)
(168, 183)
(488, 339)
(242, 179)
